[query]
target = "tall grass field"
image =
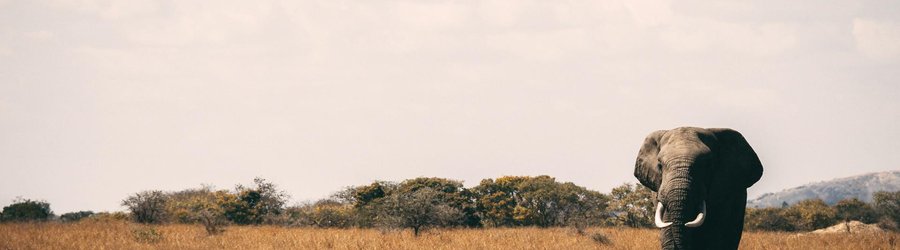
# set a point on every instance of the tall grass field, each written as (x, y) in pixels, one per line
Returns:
(127, 235)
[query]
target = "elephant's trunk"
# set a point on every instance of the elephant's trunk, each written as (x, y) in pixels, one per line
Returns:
(675, 236)
(679, 200)
(677, 197)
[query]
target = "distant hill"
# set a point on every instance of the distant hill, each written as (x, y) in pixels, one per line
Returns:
(860, 186)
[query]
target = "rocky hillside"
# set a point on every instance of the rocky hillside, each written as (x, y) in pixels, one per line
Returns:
(860, 186)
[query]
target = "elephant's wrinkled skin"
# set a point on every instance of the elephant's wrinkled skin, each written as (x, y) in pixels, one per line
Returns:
(688, 167)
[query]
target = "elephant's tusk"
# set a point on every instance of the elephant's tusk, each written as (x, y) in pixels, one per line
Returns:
(700, 218)
(658, 218)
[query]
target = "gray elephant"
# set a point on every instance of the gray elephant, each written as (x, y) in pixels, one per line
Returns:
(700, 177)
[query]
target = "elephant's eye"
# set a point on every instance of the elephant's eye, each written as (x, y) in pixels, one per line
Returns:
(659, 167)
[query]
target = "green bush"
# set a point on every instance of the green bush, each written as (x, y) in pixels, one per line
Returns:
(26, 210)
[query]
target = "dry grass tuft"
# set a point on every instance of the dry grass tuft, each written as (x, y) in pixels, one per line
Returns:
(124, 235)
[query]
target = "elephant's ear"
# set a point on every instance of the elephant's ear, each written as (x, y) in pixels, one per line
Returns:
(738, 166)
(646, 166)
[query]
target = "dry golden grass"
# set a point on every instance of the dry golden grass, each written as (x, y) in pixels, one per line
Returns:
(122, 235)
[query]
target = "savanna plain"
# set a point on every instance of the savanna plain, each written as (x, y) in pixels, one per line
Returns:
(128, 235)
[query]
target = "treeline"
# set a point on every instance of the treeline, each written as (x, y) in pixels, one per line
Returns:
(815, 214)
(415, 204)
(427, 202)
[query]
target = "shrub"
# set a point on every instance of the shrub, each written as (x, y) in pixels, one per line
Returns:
(147, 207)
(855, 209)
(181, 205)
(75, 216)
(27, 210)
(767, 219)
(262, 203)
(110, 217)
(887, 204)
(810, 215)
(208, 212)
(326, 213)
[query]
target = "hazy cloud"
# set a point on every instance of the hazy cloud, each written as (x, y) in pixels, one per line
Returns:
(877, 39)
(690, 34)
(317, 95)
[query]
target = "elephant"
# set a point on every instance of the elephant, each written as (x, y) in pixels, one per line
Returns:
(700, 179)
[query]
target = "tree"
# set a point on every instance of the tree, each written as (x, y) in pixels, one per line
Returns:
(26, 210)
(75, 216)
(330, 214)
(365, 201)
(767, 219)
(887, 205)
(209, 212)
(418, 210)
(810, 215)
(496, 202)
(581, 208)
(450, 193)
(855, 209)
(261, 203)
(147, 207)
(361, 196)
(181, 205)
(538, 201)
(325, 213)
(632, 206)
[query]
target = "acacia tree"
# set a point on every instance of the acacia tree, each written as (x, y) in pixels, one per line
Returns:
(417, 210)
(450, 193)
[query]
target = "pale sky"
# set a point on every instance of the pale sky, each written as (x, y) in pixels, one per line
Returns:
(102, 99)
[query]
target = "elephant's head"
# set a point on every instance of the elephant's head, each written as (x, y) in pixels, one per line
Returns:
(688, 166)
